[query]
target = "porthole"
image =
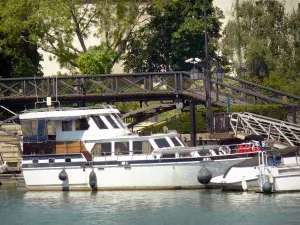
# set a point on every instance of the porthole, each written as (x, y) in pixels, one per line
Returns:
(67, 159)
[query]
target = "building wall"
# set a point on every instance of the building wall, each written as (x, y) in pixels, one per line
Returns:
(53, 68)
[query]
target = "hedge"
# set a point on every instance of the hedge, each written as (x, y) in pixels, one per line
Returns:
(181, 122)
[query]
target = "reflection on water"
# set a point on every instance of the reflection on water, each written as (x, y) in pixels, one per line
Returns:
(147, 207)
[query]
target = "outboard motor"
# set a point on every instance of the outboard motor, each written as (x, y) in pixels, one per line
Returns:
(204, 176)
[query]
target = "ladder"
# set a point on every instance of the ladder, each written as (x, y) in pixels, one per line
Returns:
(273, 129)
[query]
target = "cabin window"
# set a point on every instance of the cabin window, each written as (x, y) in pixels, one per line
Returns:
(34, 131)
(162, 143)
(175, 141)
(122, 148)
(51, 160)
(112, 122)
(67, 159)
(141, 147)
(66, 125)
(165, 156)
(35, 161)
(184, 155)
(102, 149)
(99, 122)
(82, 124)
(51, 130)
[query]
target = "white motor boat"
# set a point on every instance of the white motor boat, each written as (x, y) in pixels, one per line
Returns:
(92, 149)
(265, 167)
(282, 177)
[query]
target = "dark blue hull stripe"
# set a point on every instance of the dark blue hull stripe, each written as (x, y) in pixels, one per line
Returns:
(54, 156)
(131, 162)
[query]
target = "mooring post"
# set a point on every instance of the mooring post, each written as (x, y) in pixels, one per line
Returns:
(193, 123)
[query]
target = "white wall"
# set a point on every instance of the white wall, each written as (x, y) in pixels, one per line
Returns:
(52, 67)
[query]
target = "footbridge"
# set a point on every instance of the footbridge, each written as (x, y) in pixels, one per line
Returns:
(169, 86)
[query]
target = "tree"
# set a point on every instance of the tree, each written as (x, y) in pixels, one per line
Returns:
(18, 58)
(262, 37)
(175, 32)
(62, 27)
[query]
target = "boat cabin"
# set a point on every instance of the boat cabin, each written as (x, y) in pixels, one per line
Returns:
(96, 133)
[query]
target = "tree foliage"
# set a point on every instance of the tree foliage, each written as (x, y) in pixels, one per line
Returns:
(263, 37)
(97, 60)
(62, 27)
(18, 58)
(175, 32)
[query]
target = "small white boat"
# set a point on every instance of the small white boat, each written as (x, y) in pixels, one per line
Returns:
(239, 177)
(265, 167)
(282, 177)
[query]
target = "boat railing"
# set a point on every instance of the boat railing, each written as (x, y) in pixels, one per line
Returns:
(203, 151)
(68, 108)
(262, 163)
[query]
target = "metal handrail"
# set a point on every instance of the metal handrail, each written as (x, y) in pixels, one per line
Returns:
(260, 125)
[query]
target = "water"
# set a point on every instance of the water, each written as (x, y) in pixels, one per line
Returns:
(147, 207)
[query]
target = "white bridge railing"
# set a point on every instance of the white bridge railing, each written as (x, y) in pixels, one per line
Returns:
(272, 129)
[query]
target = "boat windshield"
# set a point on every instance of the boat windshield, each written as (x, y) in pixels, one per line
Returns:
(175, 141)
(119, 120)
(99, 122)
(162, 143)
(112, 122)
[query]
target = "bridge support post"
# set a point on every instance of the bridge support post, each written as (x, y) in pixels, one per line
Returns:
(193, 123)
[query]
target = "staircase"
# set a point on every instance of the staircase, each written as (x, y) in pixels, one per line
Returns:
(278, 131)
(10, 149)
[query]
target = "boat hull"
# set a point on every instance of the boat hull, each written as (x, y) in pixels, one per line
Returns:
(251, 185)
(287, 182)
(151, 176)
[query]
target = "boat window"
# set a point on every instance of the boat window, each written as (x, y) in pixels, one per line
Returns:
(99, 122)
(51, 160)
(66, 125)
(112, 122)
(164, 156)
(35, 161)
(67, 159)
(162, 143)
(184, 155)
(119, 120)
(122, 148)
(29, 127)
(142, 147)
(51, 130)
(81, 124)
(102, 149)
(175, 141)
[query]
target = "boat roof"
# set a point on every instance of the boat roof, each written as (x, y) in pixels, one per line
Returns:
(66, 113)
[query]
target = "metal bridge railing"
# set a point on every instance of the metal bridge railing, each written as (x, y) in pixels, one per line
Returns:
(140, 87)
(277, 130)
